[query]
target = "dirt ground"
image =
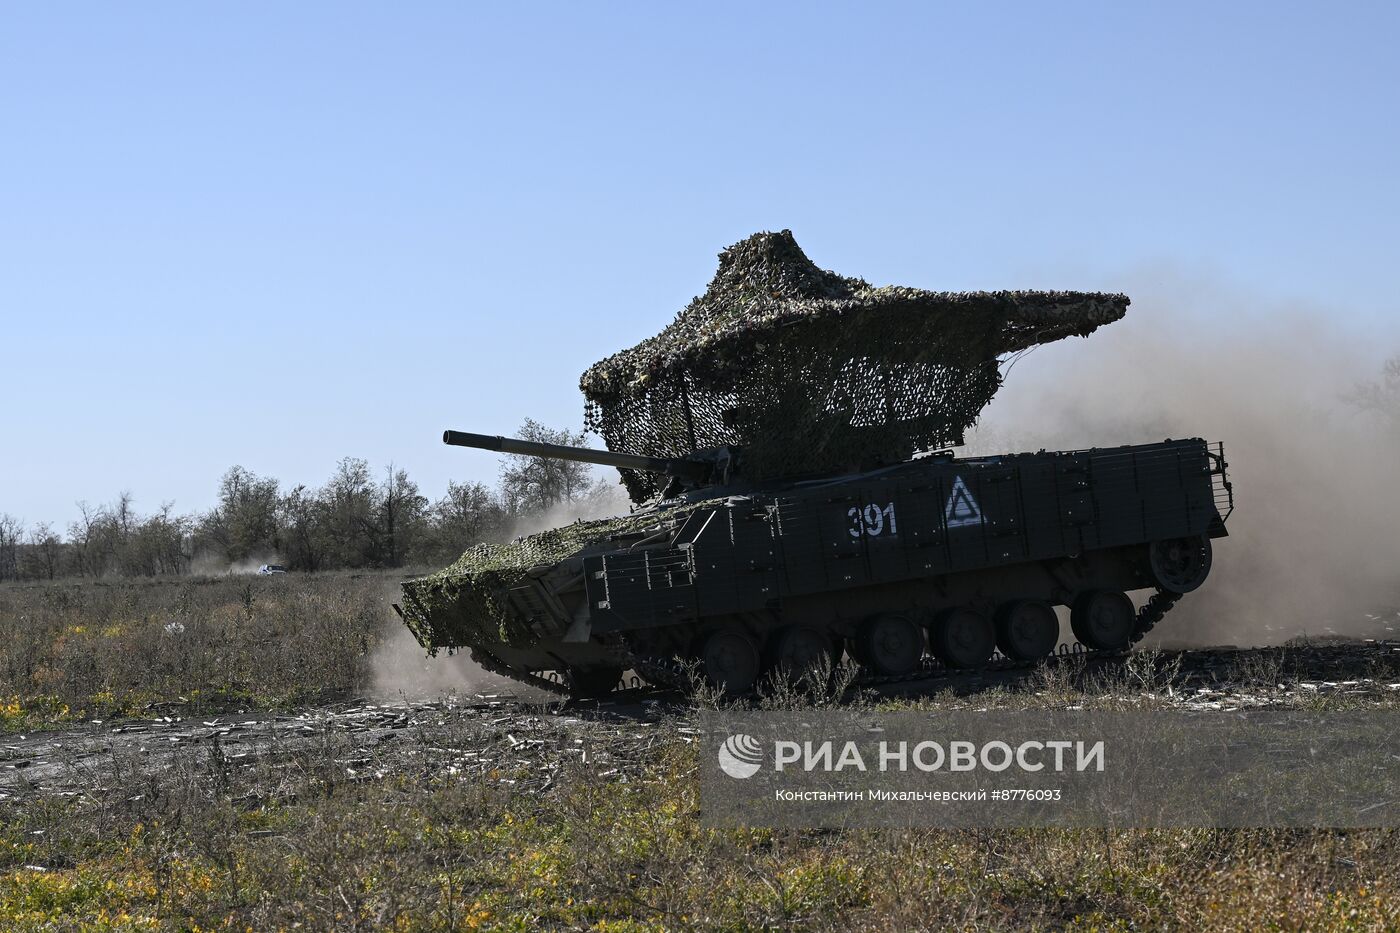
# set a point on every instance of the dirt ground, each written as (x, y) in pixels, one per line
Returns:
(481, 732)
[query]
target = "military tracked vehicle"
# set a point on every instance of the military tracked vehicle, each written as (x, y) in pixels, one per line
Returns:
(781, 442)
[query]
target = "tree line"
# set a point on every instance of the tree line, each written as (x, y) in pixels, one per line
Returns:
(359, 518)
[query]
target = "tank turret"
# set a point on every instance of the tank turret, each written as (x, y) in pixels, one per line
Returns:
(808, 371)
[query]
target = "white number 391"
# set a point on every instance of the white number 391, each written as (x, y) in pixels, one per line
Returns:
(872, 521)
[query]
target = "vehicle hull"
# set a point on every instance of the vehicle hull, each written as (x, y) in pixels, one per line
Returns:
(917, 538)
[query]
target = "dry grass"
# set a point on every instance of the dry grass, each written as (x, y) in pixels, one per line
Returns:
(100, 650)
(200, 846)
(189, 841)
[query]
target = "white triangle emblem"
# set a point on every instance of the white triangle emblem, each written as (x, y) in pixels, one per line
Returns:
(962, 508)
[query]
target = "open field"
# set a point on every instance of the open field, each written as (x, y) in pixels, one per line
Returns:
(309, 807)
(96, 650)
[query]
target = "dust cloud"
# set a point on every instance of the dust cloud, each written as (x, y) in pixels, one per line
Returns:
(1314, 545)
(403, 671)
(212, 565)
(604, 500)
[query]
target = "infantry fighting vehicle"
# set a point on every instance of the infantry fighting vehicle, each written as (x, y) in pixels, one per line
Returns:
(780, 439)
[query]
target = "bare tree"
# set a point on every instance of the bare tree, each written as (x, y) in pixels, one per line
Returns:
(84, 534)
(158, 545)
(403, 508)
(11, 531)
(43, 553)
(533, 484)
(124, 518)
(303, 544)
(347, 515)
(469, 514)
(244, 523)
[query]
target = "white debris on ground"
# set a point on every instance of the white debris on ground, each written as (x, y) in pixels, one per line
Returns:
(522, 743)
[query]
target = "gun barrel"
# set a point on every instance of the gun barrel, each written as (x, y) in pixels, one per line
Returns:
(691, 469)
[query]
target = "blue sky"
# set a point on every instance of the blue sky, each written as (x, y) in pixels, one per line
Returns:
(279, 234)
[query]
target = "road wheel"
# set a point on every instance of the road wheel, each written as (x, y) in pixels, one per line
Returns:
(890, 644)
(730, 661)
(1027, 629)
(1103, 620)
(798, 650)
(1179, 565)
(593, 682)
(962, 638)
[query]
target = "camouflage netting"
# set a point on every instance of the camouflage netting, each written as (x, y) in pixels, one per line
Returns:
(809, 371)
(466, 603)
